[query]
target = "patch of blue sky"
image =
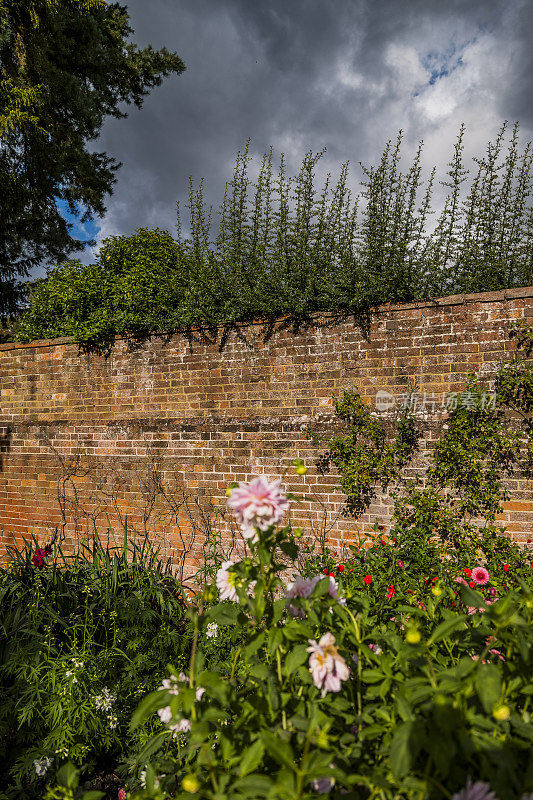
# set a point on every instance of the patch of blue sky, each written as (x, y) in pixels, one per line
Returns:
(84, 231)
(442, 63)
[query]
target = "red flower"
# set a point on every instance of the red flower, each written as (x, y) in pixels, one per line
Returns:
(467, 572)
(434, 579)
(471, 584)
(383, 541)
(340, 567)
(506, 567)
(394, 540)
(391, 591)
(326, 571)
(367, 579)
(400, 563)
(331, 575)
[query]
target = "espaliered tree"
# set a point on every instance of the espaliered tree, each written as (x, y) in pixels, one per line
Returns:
(65, 65)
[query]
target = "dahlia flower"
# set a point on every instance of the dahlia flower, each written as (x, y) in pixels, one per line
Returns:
(258, 504)
(480, 576)
(327, 667)
(226, 582)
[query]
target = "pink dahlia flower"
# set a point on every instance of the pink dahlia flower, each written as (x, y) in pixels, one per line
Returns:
(299, 587)
(122, 794)
(480, 576)
(327, 667)
(258, 504)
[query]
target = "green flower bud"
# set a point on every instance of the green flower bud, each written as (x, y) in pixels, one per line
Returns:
(501, 713)
(190, 783)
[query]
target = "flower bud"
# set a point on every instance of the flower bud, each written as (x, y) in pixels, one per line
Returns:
(190, 783)
(436, 591)
(301, 469)
(297, 533)
(501, 713)
(413, 636)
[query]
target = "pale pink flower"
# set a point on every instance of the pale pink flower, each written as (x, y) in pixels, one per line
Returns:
(225, 581)
(164, 714)
(258, 504)
(459, 579)
(326, 665)
(183, 726)
(475, 791)
(299, 587)
(480, 576)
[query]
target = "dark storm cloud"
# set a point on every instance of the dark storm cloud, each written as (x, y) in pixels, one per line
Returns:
(303, 74)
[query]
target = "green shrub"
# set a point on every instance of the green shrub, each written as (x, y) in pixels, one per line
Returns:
(284, 248)
(414, 704)
(82, 638)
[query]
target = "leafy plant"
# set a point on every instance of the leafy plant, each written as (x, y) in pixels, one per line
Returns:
(284, 248)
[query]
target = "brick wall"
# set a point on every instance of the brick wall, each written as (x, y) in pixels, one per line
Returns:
(156, 435)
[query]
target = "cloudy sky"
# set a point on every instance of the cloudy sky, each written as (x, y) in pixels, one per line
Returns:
(306, 74)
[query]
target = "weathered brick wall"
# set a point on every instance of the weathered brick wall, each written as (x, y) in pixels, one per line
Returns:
(84, 439)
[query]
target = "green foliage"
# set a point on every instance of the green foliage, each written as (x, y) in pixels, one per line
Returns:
(362, 454)
(283, 248)
(64, 66)
(86, 623)
(436, 693)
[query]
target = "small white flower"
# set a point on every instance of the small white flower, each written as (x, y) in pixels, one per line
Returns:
(113, 721)
(42, 765)
(212, 630)
(105, 699)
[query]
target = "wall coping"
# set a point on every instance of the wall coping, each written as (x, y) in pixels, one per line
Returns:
(438, 302)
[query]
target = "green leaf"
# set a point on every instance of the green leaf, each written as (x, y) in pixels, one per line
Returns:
(404, 747)
(372, 676)
(295, 658)
(259, 671)
(290, 549)
(251, 758)
(322, 587)
(445, 628)
(280, 750)
(67, 776)
(254, 645)
(254, 785)
(146, 707)
(224, 614)
(488, 686)
(93, 794)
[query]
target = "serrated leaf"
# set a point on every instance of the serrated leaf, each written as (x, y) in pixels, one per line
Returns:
(251, 758)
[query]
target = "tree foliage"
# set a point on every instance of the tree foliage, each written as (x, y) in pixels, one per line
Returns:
(65, 65)
(283, 248)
